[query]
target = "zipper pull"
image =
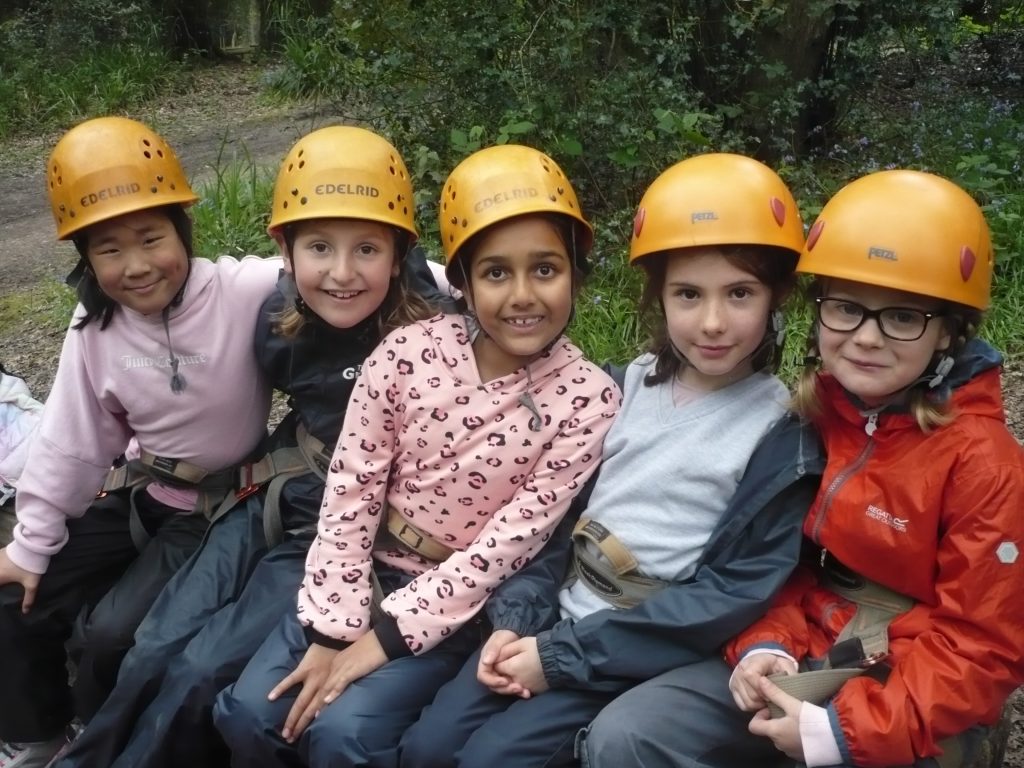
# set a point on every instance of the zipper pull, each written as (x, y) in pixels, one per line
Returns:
(871, 424)
(824, 554)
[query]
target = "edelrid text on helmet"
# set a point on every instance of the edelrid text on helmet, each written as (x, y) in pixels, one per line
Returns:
(343, 172)
(108, 167)
(500, 183)
(907, 230)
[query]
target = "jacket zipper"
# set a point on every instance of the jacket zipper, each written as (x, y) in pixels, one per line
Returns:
(850, 469)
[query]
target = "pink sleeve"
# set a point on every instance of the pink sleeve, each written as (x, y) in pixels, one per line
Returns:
(335, 595)
(78, 439)
(436, 603)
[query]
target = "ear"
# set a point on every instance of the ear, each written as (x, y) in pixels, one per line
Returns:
(945, 338)
(283, 249)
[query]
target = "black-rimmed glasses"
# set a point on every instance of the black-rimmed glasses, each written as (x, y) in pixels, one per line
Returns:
(897, 323)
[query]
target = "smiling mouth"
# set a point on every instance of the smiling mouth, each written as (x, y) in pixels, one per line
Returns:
(342, 295)
(143, 288)
(523, 322)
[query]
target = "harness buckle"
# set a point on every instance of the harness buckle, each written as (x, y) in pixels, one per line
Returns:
(410, 537)
(872, 659)
(246, 487)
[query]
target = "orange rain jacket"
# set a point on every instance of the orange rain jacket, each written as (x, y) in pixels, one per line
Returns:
(938, 517)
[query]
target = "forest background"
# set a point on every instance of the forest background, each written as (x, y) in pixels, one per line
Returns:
(615, 90)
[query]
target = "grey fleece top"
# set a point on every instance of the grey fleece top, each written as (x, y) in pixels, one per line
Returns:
(670, 470)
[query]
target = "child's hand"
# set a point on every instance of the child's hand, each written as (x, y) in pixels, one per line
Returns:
(12, 574)
(361, 658)
(311, 674)
(489, 655)
(783, 731)
(520, 663)
(745, 682)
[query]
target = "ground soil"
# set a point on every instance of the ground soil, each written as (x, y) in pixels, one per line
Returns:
(220, 115)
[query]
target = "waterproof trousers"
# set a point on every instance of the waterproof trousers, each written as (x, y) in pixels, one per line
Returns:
(470, 726)
(686, 718)
(201, 631)
(362, 727)
(95, 591)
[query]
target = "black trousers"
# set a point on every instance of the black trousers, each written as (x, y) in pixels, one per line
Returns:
(91, 599)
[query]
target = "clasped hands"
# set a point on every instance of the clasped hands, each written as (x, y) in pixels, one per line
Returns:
(510, 665)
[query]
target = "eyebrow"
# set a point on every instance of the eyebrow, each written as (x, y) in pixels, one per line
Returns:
(500, 258)
(729, 286)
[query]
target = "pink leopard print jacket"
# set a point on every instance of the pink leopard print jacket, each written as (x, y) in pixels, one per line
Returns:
(460, 460)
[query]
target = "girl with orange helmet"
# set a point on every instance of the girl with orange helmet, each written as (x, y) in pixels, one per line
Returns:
(352, 272)
(466, 438)
(899, 638)
(153, 356)
(694, 521)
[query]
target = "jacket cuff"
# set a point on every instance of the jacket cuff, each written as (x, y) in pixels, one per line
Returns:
(548, 660)
(518, 616)
(319, 638)
(26, 559)
(817, 738)
(390, 638)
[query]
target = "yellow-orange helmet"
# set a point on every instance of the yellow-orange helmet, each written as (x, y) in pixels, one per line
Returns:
(343, 172)
(110, 166)
(716, 199)
(906, 230)
(499, 183)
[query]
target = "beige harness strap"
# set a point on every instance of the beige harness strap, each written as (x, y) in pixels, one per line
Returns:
(614, 580)
(411, 537)
(621, 559)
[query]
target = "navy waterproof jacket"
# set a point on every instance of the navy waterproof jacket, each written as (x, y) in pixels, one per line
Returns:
(747, 560)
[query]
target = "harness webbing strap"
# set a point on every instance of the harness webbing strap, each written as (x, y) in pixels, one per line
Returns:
(613, 580)
(618, 555)
(414, 538)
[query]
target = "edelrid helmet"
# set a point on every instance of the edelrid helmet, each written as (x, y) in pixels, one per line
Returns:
(716, 199)
(110, 166)
(502, 182)
(343, 172)
(906, 230)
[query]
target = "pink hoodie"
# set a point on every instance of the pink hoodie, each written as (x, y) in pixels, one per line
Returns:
(459, 459)
(114, 384)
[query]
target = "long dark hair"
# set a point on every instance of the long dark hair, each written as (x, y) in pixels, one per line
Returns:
(99, 306)
(771, 266)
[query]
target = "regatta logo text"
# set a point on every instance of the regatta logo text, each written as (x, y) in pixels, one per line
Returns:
(347, 189)
(141, 361)
(105, 194)
(879, 514)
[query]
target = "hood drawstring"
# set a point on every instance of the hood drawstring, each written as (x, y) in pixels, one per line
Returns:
(177, 380)
(526, 400)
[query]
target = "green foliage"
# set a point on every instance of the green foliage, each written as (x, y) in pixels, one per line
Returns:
(61, 62)
(233, 210)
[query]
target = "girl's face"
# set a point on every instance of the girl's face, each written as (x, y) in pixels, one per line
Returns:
(866, 362)
(521, 289)
(138, 259)
(716, 315)
(343, 268)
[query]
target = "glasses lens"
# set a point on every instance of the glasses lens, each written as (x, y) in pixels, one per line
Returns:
(903, 324)
(839, 315)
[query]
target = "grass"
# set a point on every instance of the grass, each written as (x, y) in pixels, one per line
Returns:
(48, 305)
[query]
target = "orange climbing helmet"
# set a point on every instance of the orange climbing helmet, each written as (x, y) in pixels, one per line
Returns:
(343, 172)
(499, 183)
(110, 166)
(716, 199)
(906, 230)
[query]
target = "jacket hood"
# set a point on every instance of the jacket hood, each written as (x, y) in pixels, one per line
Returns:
(972, 386)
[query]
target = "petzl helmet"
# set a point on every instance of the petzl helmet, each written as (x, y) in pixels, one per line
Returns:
(906, 230)
(343, 172)
(716, 199)
(502, 182)
(110, 166)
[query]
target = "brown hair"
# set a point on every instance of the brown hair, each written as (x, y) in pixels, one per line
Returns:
(962, 323)
(774, 267)
(401, 305)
